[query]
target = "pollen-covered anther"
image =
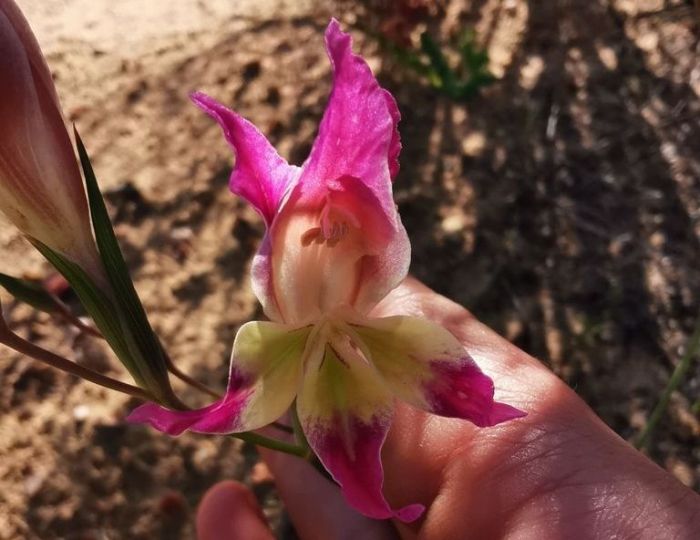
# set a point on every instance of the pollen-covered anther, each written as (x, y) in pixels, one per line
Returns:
(311, 236)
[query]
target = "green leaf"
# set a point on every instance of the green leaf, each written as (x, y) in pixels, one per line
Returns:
(138, 336)
(96, 303)
(30, 292)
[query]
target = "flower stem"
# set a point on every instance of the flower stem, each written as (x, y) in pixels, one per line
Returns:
(12, 340)
(69, 317)
(673, 383)
(273, 444)
(172, 368)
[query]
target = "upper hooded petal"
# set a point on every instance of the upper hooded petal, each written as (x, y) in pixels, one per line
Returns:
(345, 411)
(426, 366)
(358, 134)
(350, 168)
(260, 175)
(264, 379)
(358, 138)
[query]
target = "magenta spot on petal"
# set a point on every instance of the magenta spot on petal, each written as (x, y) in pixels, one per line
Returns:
(461, 390)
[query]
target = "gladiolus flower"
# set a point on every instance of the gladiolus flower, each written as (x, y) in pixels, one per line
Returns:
(334, 247)
(41, 190)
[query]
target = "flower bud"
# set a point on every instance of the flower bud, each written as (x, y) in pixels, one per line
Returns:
(41, 190)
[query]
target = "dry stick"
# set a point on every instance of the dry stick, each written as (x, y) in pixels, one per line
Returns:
(673, 383)
(20, 345)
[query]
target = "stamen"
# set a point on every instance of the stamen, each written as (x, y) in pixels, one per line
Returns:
(334, 225)
(312, 235)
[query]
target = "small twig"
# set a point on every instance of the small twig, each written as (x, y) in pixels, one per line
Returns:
(71, 318)
(673, 383)
(12, 340)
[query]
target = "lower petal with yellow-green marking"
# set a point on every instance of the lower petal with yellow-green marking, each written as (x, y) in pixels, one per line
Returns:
(345, 410)
(426, 366)
(264, 379)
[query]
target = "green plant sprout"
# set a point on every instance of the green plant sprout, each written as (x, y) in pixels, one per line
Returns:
(459, 83)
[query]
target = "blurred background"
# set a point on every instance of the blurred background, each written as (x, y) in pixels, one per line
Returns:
(549, 183)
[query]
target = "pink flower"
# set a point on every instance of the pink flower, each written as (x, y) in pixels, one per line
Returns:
(41, 190)
(334, 247)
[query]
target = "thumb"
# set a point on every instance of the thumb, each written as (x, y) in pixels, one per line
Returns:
(229, 511)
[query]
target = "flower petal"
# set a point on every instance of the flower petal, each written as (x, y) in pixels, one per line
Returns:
(264, 379)
(260, 175)
(345, 411)
(358, 138)
(426, 366)
(314, 272)
(261, 280)
(358, 134)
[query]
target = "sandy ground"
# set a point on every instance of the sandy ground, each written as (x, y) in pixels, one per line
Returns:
(561, 206)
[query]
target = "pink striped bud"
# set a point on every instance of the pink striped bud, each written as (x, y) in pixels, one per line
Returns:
(41, 190)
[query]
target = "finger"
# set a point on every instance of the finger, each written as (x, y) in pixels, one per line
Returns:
(315, 505)
(229, 511)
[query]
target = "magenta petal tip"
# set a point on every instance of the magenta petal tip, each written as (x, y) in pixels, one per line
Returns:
(409, 513)
(160, 418)
(502, 412)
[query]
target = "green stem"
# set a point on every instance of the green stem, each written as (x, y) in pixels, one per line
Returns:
(676, 378)
(177, 372)
(273, 444)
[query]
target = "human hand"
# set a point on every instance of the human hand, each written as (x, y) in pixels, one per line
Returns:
(560, 472)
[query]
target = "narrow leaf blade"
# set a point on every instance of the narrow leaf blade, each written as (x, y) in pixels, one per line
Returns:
(141, 342)
(30, 292)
